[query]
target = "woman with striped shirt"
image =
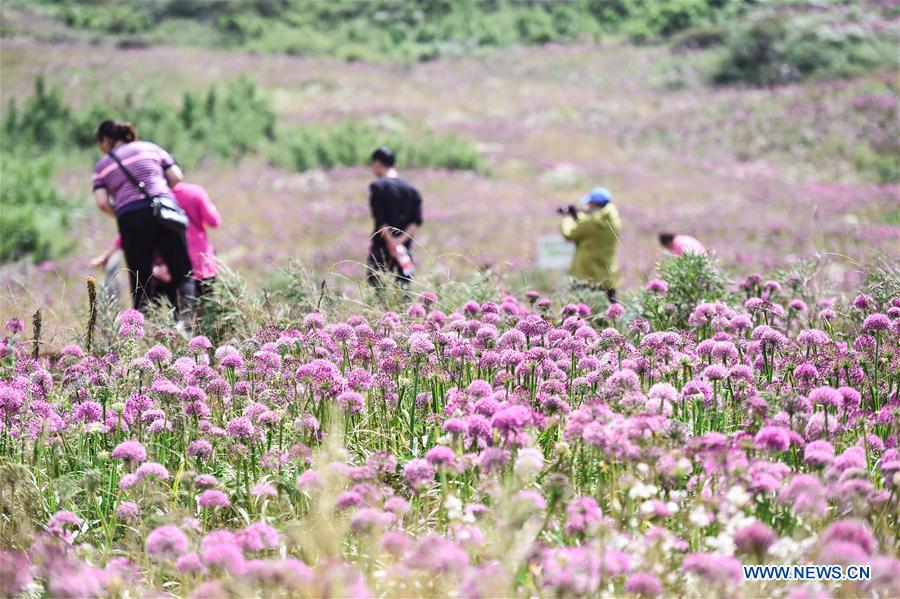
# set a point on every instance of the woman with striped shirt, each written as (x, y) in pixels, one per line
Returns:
(142, 235)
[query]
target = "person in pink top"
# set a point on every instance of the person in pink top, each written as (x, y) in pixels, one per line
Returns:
(202, 213)
(681, 244)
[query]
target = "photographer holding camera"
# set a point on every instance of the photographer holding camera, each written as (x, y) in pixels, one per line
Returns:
(595, 232)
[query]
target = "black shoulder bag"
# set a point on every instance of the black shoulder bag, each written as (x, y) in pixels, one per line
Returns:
(165, 209)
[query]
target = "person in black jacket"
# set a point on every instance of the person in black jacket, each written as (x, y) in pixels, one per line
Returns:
(397, 211)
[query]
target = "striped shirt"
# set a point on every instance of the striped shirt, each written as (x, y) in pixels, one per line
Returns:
(146, 161)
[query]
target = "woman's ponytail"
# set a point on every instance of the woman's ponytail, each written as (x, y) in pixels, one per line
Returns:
(116, 131)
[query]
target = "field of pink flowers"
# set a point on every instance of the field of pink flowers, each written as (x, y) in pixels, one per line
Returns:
(513, 447)
(473, 443)
(763, 177)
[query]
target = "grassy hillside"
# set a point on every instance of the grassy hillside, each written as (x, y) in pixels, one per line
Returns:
(377, 30)
(766, 175)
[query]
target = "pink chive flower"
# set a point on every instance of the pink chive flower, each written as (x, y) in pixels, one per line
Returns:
(213, 498)
(131, 324)
(755, 539)
(773, 438)
(396, 542)
(129, 480)
(264, 490)
(279, 575)
(222, 549)
(851, 531)
(351, 402)
(797, 304)
(158, 354)
(190, 564)
(259, 536)
(206, 481)
(441, 456)
(435, 555)
(199, 448)
(314, 320)
(614, 312)
(199, 344)
(396, 505)
(59, 523)
(644, 584)
(154, 470)
(14, 326)
(418, 474)
(130, 451)
(348, 499)
(232, 360)
(826, 396)
(813, 338)
(71, 351)
(127, 510)
(714, 569)
(657, 286)
(582, 515)
(166, 542)
(15, 572)
(368, 520)
(240, 428)
(571, 571)
(818, 453)
(308, 480)
(876, 322)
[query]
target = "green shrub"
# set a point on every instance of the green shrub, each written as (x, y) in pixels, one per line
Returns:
(34, 216)
(692, 279)
(108, 17)
(882, 166)
(377, 29)
(777, 50)
(227, 123)
(43, 121)
(350, 143)
(699, 38)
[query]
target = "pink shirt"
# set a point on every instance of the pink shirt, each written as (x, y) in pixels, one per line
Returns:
(201, 213)
(685, 244)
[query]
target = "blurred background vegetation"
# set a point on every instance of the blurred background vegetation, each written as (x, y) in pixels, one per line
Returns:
(762, 41)
(224, 123)
(747, 42)
(389, 29)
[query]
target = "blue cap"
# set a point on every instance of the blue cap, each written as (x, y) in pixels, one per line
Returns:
(599, 195)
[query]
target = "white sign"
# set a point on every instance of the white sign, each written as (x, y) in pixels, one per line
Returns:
(554, 252)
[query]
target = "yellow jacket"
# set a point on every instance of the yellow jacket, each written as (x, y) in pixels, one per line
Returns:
(596, 237)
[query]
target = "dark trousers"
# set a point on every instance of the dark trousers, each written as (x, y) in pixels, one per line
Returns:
(142, 238)
(379, 265)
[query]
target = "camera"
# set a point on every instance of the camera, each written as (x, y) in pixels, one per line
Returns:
(569, 210)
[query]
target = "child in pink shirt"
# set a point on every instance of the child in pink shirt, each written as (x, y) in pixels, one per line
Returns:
(201, 213)
(681, 244)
